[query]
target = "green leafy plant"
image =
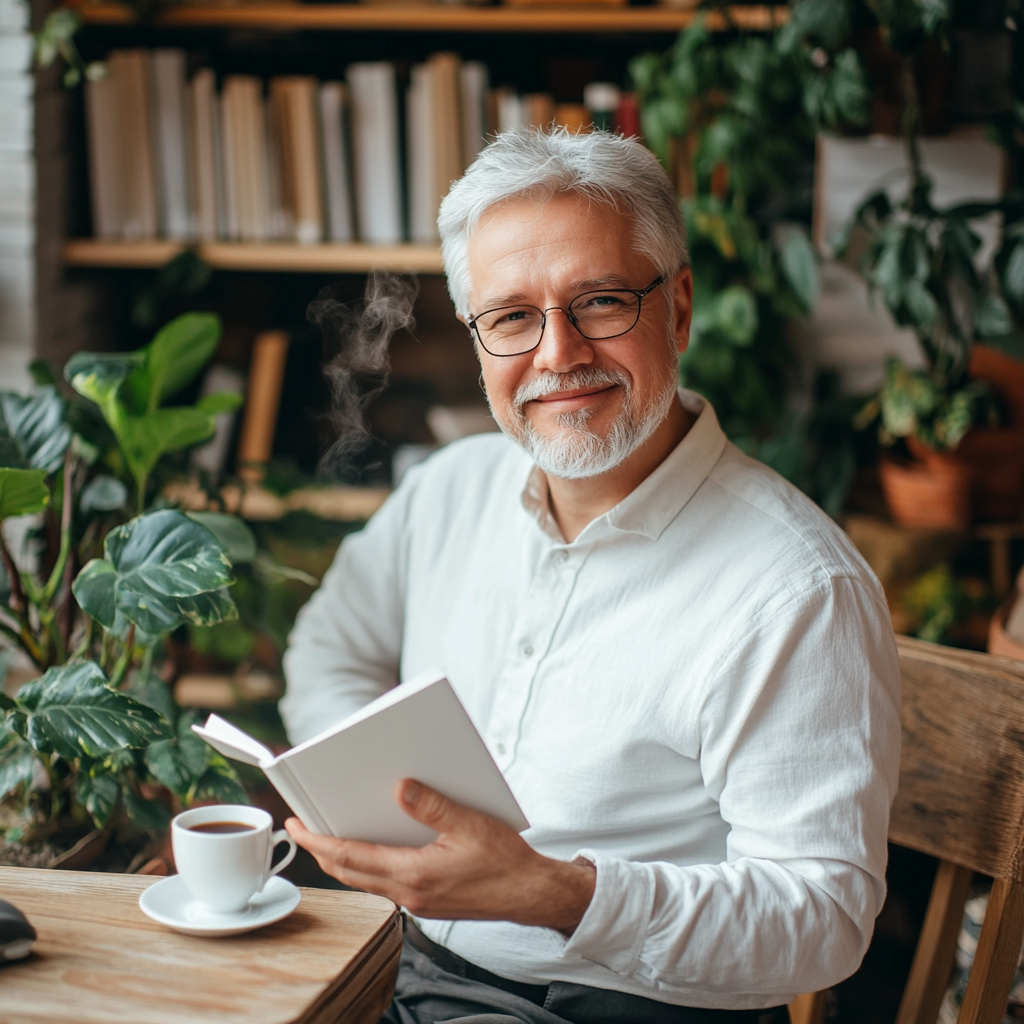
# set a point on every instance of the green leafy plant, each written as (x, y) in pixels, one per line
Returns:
(733, 116)
(921, 260)
(98, 735)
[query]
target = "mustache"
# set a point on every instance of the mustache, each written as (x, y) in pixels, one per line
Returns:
(549, 383)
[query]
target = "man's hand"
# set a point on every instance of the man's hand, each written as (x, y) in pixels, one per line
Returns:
(477, 869)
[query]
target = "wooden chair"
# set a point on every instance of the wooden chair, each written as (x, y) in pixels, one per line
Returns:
(960, 799)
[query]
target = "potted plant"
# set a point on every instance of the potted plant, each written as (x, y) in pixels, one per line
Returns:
(97, 742)
(733, 118)
(959, 419)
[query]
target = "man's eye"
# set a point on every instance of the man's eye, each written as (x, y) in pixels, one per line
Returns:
(602, 301)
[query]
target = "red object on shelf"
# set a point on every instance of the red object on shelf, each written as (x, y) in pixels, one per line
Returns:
(627, 117)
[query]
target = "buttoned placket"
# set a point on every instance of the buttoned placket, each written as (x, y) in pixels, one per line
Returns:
(530, 640)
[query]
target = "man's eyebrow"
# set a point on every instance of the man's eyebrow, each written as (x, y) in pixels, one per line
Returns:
(589, 284)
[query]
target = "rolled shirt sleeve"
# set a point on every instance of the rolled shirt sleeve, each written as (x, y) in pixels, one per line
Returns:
(802, 753)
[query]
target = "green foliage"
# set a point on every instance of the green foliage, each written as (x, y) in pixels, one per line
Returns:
(938, 601)
(72, 710)
(129, 389)
(914, 403)
(96, 736)
(22, 491)
(159, 570)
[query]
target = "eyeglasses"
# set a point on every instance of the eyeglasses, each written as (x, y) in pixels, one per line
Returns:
(516, 330)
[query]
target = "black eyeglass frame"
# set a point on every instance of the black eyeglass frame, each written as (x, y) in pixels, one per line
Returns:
(640, 293)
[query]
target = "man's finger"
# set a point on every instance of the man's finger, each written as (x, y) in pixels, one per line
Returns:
(430, 807)
(370, 859)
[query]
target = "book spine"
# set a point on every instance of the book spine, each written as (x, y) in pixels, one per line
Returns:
(287, 783)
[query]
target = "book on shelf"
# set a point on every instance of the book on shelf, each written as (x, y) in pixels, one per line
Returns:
(334, 136)
(342, 782)
(207, 169)
(375, 151)
(291, 158)
(172, 143)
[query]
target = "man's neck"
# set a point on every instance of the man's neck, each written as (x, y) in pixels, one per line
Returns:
(575, 503)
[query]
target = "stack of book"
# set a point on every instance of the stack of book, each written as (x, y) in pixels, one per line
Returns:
(296, 159)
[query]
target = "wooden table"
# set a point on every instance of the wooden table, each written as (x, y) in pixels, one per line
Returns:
(99, 959)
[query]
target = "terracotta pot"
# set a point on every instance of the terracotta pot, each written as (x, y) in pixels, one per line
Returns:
(994, 460)
(936, 496)
(1006, 375)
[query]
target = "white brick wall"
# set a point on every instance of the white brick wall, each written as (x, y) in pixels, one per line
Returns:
(17, 197)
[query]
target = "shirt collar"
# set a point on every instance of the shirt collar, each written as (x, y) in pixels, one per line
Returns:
(651, 506)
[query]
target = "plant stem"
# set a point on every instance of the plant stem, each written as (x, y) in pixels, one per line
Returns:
(17, 590)
(86, 644)
(125, 661)
(911, 116)
(50, 590)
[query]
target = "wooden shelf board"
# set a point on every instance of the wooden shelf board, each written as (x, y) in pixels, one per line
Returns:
(269, 256)
(431, 18)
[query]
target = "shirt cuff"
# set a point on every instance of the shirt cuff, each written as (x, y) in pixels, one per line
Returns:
(614, 926)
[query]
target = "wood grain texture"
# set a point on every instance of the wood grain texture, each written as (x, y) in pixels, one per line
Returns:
(995, 959)
(438, 18)
(286, 257)
(961, 799)
(961, 791)
(808, 1008)
(100, 959)
(933, 958)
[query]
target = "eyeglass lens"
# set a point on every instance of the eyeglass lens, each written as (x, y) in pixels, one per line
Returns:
(514, 329)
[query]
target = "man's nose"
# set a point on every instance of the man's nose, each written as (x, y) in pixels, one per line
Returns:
(562, 347)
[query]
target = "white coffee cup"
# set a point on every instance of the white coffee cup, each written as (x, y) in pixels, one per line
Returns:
(225, 869)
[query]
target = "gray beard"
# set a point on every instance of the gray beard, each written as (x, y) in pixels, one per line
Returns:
(576, 452)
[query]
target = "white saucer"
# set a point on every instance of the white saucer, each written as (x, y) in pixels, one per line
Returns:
(170, 903)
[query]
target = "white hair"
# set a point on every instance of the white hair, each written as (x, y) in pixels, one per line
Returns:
(526, 163)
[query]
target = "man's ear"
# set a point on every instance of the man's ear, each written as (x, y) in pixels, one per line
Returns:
(682, 303)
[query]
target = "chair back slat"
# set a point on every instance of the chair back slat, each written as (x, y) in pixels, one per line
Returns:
(961, 790)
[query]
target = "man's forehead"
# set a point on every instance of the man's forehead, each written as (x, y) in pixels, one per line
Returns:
(519, 241)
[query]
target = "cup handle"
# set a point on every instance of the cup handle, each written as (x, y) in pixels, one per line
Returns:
(280, 836)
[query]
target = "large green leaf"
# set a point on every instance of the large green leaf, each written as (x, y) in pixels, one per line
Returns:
(220, 401)
(73, 710)
(800, 265)
(238, 540)
(176, 354)
(95, 589)
(17, 761)
(97, 790)
(143, 439)
(146, 813)
(166, 552)
(103, 494)
(22, 491)
(736, 314)
(99, 376)
(160, 570)
(179, 763)
(32, 428)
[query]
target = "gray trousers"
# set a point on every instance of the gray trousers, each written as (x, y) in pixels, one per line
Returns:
(427, 994)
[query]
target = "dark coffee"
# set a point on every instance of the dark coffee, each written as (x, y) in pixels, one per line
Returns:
(220, 828)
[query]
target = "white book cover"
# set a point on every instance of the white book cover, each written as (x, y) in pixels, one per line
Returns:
(473, 75)
(131, 77)
(421, 159)
(337, 181)
(280, 224)
(375, 152)
(230, 225)
(205, 143)
(342, 782)
(105, 157)
(510, 110)
(171, 140)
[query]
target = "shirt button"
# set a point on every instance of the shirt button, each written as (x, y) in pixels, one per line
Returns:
(500, 748)
(528, 650)
(563, 555)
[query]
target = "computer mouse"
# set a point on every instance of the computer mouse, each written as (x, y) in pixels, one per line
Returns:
(16, 934)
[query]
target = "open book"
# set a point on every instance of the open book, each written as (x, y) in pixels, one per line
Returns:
(342, 782)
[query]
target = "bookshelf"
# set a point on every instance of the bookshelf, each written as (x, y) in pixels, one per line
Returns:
(287, 257)
(266, 285)
(429, 18)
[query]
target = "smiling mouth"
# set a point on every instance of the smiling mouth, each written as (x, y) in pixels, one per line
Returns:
(575, 393)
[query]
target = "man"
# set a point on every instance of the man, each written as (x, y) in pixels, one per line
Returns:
(682, 667)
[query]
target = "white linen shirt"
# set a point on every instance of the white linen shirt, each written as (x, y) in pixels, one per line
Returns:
(700, 694)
